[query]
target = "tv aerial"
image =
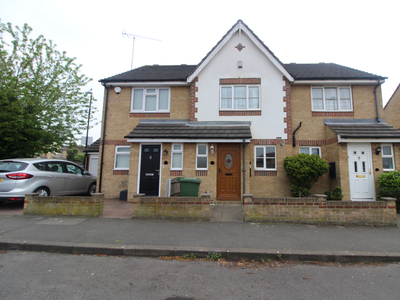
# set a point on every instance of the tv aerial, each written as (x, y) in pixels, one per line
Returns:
(133, 37)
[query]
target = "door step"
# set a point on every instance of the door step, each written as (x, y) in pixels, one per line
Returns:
(228, 213)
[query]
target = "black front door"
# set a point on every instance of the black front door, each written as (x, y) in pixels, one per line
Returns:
(150, 170)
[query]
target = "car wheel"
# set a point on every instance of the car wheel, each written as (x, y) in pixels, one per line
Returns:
(92, 189)
(43, 192)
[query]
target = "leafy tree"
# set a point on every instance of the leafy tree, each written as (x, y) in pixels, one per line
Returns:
(42, 105)
(303, 171)
(75, 156)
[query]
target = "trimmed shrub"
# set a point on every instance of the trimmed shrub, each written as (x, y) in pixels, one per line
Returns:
(389, 186)
(303, 171)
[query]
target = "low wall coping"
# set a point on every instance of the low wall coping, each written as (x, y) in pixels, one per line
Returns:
(388, 199)
(320, 196)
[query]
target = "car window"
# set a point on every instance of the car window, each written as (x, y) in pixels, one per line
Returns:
(40, 166)
(73, 169)
(12, 166)
(55, 167)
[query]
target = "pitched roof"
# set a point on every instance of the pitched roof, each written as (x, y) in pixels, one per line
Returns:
(154, 73)
(185, 131)
(93, 147)
(361, 129)
(326, 71)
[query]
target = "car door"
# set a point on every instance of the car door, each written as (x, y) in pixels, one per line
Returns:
(77, 183)
(57, 180)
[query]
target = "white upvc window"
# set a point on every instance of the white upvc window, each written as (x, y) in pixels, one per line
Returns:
(201, 157)
(265, 157)
(311, 150)
(331, 98)
(121, 161)
(240, 97)
(150, 99)
(176, 157)
(387, 158)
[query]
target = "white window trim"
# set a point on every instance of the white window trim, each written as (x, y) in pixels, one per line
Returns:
(172, 153)
(390, 156)
(122, 153)
(310, 149)
(338, 98)
(144, 98)
(265, 164)
(233, 97)
(202, 155)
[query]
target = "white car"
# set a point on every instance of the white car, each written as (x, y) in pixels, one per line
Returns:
(47, 177)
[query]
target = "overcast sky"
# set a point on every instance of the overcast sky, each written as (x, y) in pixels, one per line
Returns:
(361, 34)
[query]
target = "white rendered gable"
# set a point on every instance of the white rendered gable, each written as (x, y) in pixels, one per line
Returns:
(256, 64)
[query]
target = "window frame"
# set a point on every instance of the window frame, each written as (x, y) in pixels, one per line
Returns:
(145, 93)
(264, 168)
(172, 157)
(310, 149)
(388, 156)
(338, 87)
(120, 154)
(232, 86)
(201, 155)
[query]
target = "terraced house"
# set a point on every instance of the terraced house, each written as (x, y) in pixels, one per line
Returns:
(233, 118)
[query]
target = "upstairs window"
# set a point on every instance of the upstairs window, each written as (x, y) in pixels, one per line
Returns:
(243, 97)
(331, 99)
(150, 100)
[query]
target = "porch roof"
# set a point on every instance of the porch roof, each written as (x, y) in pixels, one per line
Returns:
(191, 131)
(94, 147)
(363, 129)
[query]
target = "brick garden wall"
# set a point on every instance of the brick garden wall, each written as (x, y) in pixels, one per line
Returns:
(171, 208)
(88, 206)
(316, 210)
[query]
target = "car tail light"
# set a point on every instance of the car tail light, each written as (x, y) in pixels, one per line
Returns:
(18, 176)
(20, 198)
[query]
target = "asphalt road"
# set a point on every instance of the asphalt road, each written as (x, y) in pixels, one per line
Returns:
(33, 275)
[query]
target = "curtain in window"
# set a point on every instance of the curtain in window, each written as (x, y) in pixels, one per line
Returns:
(318, 100)
(226, 98)
(331, 99)
(177, 160)
(163, 99)
(137, 99)
(254, 96)
(151, 102)
(345, 101)
(240, 97)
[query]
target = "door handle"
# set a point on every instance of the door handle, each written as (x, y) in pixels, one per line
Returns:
(369, 171)
(219, 172)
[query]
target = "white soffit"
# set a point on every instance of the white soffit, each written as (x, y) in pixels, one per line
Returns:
(243, 28)
(336, 82)
(366, 140)
(149, 83)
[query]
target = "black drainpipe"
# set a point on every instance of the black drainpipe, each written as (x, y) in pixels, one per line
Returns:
(376, 100)
(294, 135)
(103, 138)
(244, 168)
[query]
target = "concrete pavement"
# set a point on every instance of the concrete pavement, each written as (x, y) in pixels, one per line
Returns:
(235, 240)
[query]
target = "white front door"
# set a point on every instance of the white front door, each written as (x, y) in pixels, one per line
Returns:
(93, 164)
(360, 172)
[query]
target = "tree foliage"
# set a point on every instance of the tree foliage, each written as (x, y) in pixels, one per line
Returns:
(42, 105)
(303, 171)
(75, 156)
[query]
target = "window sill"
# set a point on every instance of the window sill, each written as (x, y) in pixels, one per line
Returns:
(240, 112)
(149, 114)
(333, 113)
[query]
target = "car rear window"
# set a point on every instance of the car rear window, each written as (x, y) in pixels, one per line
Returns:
(40, 166)
(12, 166)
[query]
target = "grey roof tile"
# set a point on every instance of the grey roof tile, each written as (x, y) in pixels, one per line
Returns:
(361, 131)
(176, 131)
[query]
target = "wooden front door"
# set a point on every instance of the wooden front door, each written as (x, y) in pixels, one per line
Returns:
(228, 172)
(150, 170)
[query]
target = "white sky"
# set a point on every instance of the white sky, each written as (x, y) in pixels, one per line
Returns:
(362, 34)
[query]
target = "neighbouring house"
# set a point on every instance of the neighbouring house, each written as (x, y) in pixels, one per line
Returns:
(392, 109)
(232, 119)
(92, 157)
